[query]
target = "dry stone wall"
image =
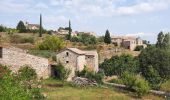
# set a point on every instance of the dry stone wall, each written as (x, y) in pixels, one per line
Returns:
(15, 58)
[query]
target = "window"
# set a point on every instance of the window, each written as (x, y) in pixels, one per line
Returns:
(0, 52)
(67, 62)
(67, 54)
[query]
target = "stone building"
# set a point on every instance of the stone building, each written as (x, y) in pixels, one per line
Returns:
(32, 26)
(76, 60)
(128, 42)
(16, 58)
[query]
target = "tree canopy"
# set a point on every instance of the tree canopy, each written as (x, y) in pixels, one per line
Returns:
(21, 27)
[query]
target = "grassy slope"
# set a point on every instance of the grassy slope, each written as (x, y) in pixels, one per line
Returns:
(92, 93)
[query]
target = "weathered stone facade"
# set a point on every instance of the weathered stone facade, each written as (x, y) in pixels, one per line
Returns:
(76, 60)
(15, 58)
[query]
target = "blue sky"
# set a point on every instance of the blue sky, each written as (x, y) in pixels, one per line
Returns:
(144, 18)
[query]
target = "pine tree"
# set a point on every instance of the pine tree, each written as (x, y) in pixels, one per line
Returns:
(70, 30)
(40, 34)
(21, 27)
(107, 38)
(160, 40)
(166, 41)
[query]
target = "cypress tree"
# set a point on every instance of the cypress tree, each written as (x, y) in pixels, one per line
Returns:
(107, 38)
(40, 33)
(70, 30)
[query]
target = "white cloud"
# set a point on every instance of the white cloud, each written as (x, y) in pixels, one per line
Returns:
(41, 6)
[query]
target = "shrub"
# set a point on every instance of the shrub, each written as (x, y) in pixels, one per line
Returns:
(128, 79)
(15, 86)
(85, 39)
(53, 43)
(141, 87)
(60, 72)
(27, 40)
(117, 65)
(136, 83)
(91, 75)
(139, 48)
(27, 73)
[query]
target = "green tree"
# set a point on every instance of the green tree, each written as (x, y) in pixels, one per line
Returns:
(117, 65)
(160, 40)
(53, 43)
(21, 27)
(159, 60)
(166, 41)
(40, 33)
(2, 28)
(107, 38)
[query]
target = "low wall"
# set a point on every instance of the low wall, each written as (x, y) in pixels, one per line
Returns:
(15, 58)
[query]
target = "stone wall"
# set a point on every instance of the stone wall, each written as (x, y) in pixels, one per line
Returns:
(15, 58)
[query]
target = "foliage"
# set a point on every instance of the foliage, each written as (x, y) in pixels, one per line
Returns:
(160, 40)
(27, 73)
(107, 38)
(119, 64)
(70, 30)
(139, 48)
(61, 72)
(141, 87)
(21, 27)
(2, 28)
(13, 87)
(128, 79)
(166, 41)
(100, 39)
(85, 39)
(51, 43)
(136, 83)
(91, 75)
(163, 41)
(154, 65)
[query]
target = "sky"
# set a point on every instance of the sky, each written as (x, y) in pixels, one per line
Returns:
(140, 18)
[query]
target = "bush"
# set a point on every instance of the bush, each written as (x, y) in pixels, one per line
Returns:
(27, 73)
(85, 39)
(141, 87)
(139, 48)
(91, 75)
(51, 43)
(128, 79)
(136, 83)
(14, 87)
(60, 72)
(117, 65)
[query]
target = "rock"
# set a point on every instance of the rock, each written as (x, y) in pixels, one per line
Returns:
(79, 81)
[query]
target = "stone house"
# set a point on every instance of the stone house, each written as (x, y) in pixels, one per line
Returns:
(128, 42)
(16, 58)
(32, 26)
(76, 60)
